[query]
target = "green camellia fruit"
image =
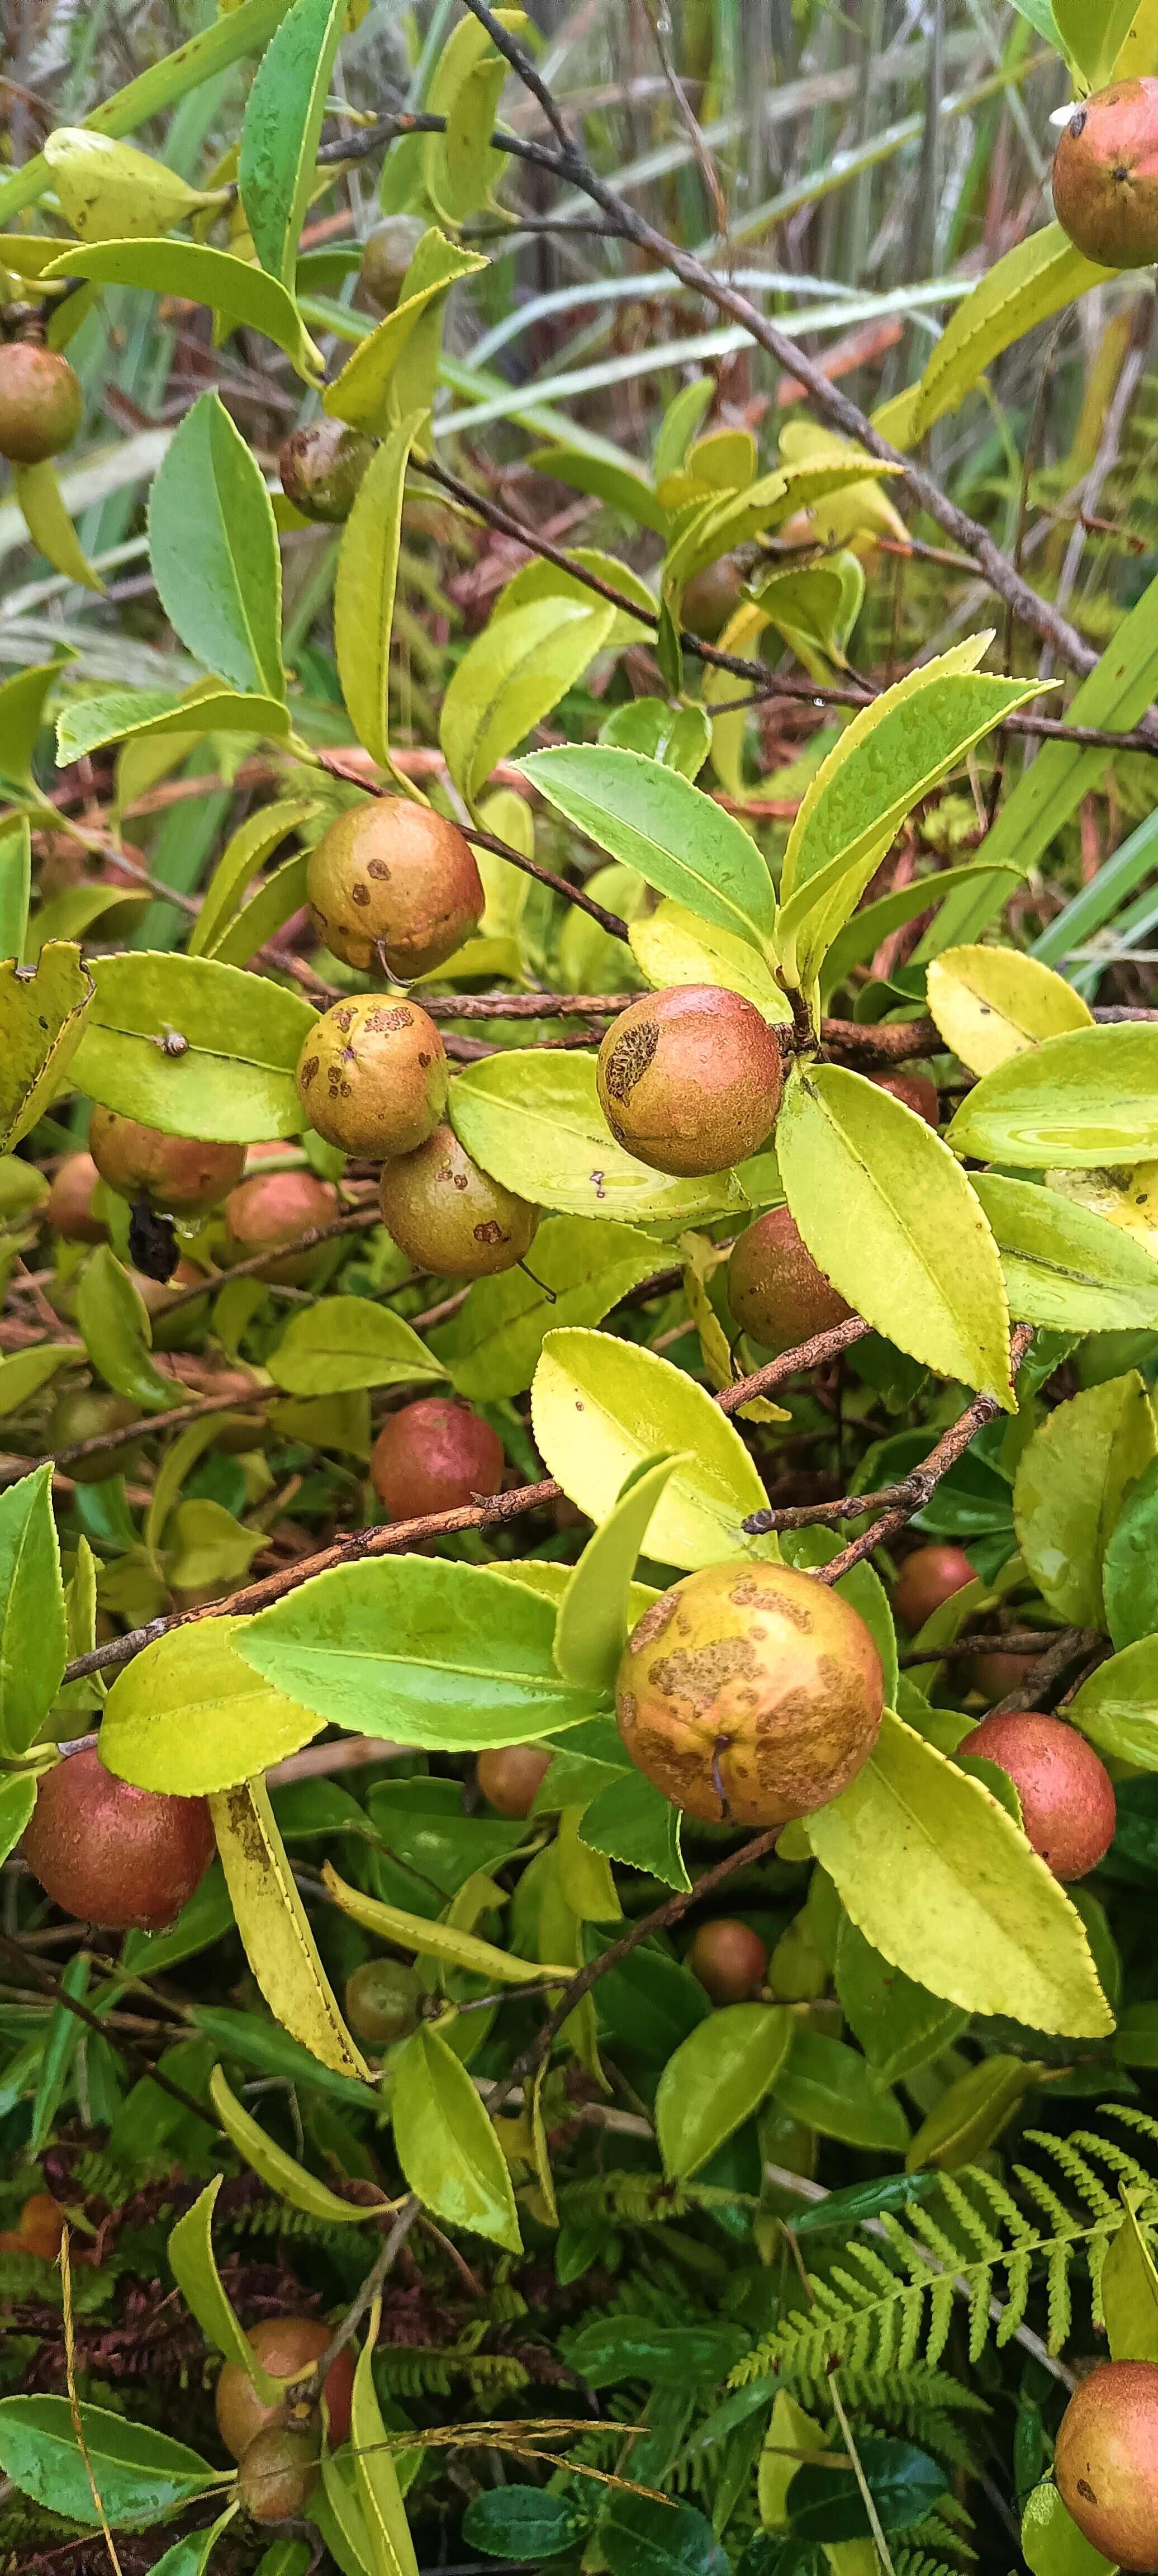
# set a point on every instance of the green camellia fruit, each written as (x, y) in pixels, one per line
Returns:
(183, 1175)
(387, 255)
(1106, 2462)
(41, 402)
(393, 888)
(449, 1217)
(749, 1694)
(775, 1289)
(383, 2000)
(690, 1079)
(373, 1076)
(1068, 1807)
(321, 467)
(1105, 176)
(278, 2472)
(434, 1456)
(110, 1854)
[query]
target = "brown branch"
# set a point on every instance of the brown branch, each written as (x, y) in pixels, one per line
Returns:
(1061, 1652)
(354, 1221)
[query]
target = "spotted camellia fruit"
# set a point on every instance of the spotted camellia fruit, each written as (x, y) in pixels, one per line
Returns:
(749, 1694)
(393, 888)
(448, 1216)
(1106, 2462)
(373, 1076)
(1105, 175)
(690, 1079)
(321, 467)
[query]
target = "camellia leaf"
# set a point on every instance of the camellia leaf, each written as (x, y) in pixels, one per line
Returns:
(1039, 276)
(460, 165)
(288, 2179)
(826, 2504)
(23, 1373)
(973, 2111)
(534, 1122)
(244, 854)
(602, 1408)
(364, 589)
(511, 677)
(23, 700)
(834, 2090)
(446, 2145)
(591, 1629)
(376, 2473)
(279, 138)
(674, 946)
(233, 1075)
(1064, 1266)
(113, 1320)
(441, 1941)
(1117, 1706)
(582, 1269)
(345, 1342)
(1051, 2543)
(716, 2079)
(1128, 2288)
(275, 1928)
(235, 290)
(194, 2268)
(1075, 1102)
(943, 1884)
(214, 551)
(118, 715)
(991, 1003)
(109, 191)
(37, 489)
(633, 1822)
(33, 1637)
(1130, 1565)
(1069, 1489)
(527, 2524)
(893, 1223)
(141, 2475)
(898, 2023)
(652, 819)
(42, 1020)
(187, 1716)
(15, 885)
(365, 393)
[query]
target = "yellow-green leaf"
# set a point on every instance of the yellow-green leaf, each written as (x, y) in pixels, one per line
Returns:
(1128, 2288)
(364, 590)
(113, 1321)
(446, 2144)
(194, 2269)
(715, 2079)
(279, 136)
(430, 1940)
(187, 1716)
(244, 854)
(345, 1342)
(275, 1928)
(601, 1408)
(42, 1020)
(235, 1076)
(510, 677)
(534, 1122)
(110, 191)
(239, 293)
(1064, 1265)
(1080, 1101)
(675, 946)
(24, 1373)
(1038, 277)
(591, 1630)
(991, 1003)
(376, 2475)
(364, 393)
(1069, 1489)
(38, 491)
(289, 2180)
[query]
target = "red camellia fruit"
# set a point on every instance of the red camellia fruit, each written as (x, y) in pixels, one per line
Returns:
(509, 1777)
(1106, 2462)
(183, 1175)
(690, 1080)
(273, 1208)
(928, 1577)
(433, 1456)
(729, 1959)
(111, 1854)
(1067, 1797)
(776, 1291)
(69, 1209)
(1105, 176)
(287, 2348)
(915, 1090)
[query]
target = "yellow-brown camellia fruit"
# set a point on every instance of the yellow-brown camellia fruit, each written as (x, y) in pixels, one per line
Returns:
(393, 888)
(41, 402)
(373, 1076)
(184, 1175)
(776, 1290)
(749, 1694)
(1106, 2462)
(1105, 175)
(690, 1079)
(448, 1216)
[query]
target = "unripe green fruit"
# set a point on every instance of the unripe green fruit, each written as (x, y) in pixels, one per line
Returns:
(690, 1079)
(393, 888)
(929, 1577)
(275, 1207)
(69, 1209)
(85, 1414)
(1068, 1807)
(448, 1216)
(749, 1694)
(321, 468)
(1106, 2461)
(387, 255)
(1105, 176)
(183, 1175)
(287, 2348)
(510, 1776)
(915, 1090)
(383, 2000)
(434, 1456)
(278, 2473)
(373, 1077)
(711, 598)
(107, 1853)
(776, 1290)
(41, 403)
(729, 1959)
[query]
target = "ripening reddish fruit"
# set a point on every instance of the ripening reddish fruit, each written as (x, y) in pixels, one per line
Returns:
(448, 1216)
(38, 2230)
(690, 1079)
(86, 1414)
(383, 2000)
(510, 1776)
(729, 1959)
(1068, 1807)
(1106, 2461)
(273, 1208)
(930, 1576)
(278, 2472)
(1105, 176)
(41, 403)
(997, 1674)
(321, 467)
(386, 256)
(183, 1175)
(107, 1853)
(373, 1076)
(776, 1290)
(749, 1694)
(711, 597)
(433, 1456)
(174, 1332)
(915, 1090)
(287, 2348)
(393, 888)
(69, 1209)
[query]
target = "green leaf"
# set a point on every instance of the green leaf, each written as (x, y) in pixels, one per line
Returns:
(893, 1223)
(633, 1822)
(114, 1323)
(366, 393)
(187, 1716)
(42, 1020)
(430, 1940)
(1074, 1103)
(1130, 1565)
(716, 2079)
(645, 2536)
(460, 166)
(602, 1408)
(364, 589)
(194, 2269)
(376, 2475)
(899, 2024)
(511, 677)
(651, 818)
(245, 853)
(944, 1885)
(275, 1928)
(592, 1624)
(679, 736)
(1040, 276)
(523, 2523)
(826, 2505)
(23, 700)
(832, 2089)
(991, 1003)
(673, 946)
(445, 1655)
(1117, 1707)
(235, 1079)
(279, 136)
(191, 2557)
(289, 2180)
(872, 922)
(446, 2144)
(345, 1342)
(973, 2111)
(214, 551)
(24, 1373)
(33, 1641)
(582, 1269)
(141, 2475)
(1051, 2543)
(109, 191)
(534, 1122)
(620, 2347)
(240, 293)
(1128, 2288)
(15, 884)
(143, 714)
(621, 486)
(38, 492)
(1064, 1266)
(1070, 1484)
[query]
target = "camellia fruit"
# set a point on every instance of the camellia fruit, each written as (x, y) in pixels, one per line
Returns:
(711, 597)
(393, 888)
(510, 1776)
(107, 1853)
(776, 1291)
(930, 1576)
(1068, 1807)
(729, 1959)
(87, 1413)
(1106, 2461)
(1105, 176)
(749, 1694)
(272, 1208)
(386, 256)
(321, 467)
(38, 2230)
(373, 1076)
(277, 2474)
(448, 1216)
(287, 2348)
(41, 402)
(997, 1674)
(690, 1079)
(383, 2000)
(915, 1090)
(433, 1456)
(183, 1175)
(69, 1210)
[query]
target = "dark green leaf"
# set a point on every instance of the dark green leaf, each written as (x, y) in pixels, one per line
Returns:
(523, 2523)
(827, 2505)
